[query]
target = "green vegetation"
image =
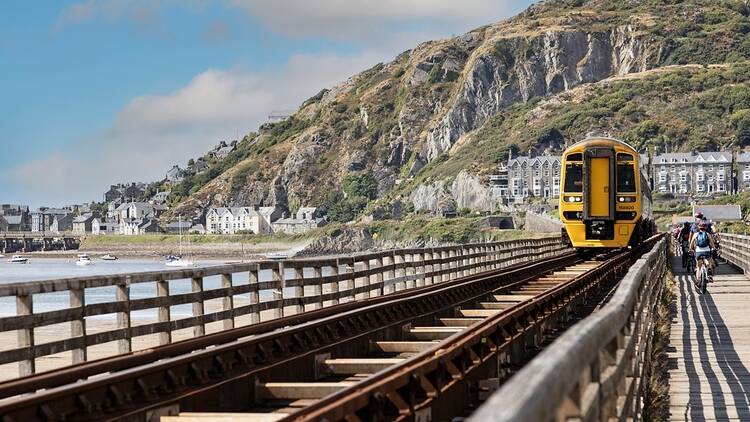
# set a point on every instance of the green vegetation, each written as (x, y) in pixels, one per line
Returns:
(460, 230)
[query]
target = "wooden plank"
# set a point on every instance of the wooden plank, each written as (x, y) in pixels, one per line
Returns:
(484, 313)
(512, 298)
(434, 333)
(402, 346)
(344, 366)
(224, 417)
(460, 322)
(299, 390)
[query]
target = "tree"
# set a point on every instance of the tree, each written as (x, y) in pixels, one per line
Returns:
(360, 185)
(741, 124)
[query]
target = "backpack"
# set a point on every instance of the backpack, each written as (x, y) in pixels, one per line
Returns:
(702, 239)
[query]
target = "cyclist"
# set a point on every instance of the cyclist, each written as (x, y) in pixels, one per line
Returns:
(698, 219)
(684, 239)
(702, 244)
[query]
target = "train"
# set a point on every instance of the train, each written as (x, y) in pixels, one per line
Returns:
(605, 198)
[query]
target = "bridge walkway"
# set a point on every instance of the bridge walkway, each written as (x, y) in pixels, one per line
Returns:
(709, 348)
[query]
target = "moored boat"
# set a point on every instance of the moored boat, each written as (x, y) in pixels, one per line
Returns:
(109, 257)
(18, 259)
(83, 260)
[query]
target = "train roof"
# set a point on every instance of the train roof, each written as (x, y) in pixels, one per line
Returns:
(599, 141)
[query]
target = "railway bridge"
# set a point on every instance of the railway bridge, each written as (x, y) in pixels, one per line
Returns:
(38, 241)
(518, 330)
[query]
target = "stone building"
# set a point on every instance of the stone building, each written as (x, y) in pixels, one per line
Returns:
(533, 177)
(688, 174)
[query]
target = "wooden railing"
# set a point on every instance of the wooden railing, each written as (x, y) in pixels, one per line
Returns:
(230, 295)
(735, 248)
(596, 370)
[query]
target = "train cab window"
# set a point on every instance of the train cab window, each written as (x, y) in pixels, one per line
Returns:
(624, 157)
(625, 178)
(574, 157)
(574, 177)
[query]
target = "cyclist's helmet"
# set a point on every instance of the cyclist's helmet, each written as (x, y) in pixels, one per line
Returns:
(686, 224)
(699, 215)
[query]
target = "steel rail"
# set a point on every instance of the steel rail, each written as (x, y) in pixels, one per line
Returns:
(152, 385)
(84, 370)
(413, 386)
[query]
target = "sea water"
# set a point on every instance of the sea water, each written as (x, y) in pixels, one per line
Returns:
(58, 268)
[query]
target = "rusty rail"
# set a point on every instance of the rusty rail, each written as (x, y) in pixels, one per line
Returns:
(225, 373)
(487, 350)
(595, 370)
(291, 287)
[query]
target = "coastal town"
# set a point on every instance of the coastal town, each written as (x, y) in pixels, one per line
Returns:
(138, 208)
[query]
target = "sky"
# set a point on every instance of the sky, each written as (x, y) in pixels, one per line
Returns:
(96, 92)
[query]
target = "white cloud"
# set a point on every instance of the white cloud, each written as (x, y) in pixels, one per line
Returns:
(153, 132)
(371, 20)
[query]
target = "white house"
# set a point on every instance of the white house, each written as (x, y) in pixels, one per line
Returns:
(232, 220)
(100, 226)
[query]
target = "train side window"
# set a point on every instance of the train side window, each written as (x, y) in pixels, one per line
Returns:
(625, 178)
(574, 177)
(624, 157)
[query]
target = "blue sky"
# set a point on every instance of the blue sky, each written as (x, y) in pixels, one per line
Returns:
(100, 91)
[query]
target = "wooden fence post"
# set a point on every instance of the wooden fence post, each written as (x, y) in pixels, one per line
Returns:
(318, 287)
(335, 284)
(299, 291)
(25, 306)
(78, 327)
(278, 293)
(227, 302)
(254, 295)
(164, 312)
(122, 294)
(198, 308)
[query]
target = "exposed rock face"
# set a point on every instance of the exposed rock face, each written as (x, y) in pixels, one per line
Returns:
(516, 69)
(469, 192)
(346, 241)
(427, 197)
(404, 119)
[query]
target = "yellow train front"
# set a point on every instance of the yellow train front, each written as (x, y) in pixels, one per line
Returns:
(605, 201)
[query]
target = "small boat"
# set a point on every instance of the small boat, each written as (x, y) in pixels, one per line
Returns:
(109, 257)
(177, 261)
(83, 260)
(18, 259)
(277, 256)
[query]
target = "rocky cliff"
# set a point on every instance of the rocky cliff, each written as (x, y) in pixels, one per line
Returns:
(430, 125)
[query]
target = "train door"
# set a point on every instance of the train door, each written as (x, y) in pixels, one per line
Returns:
(599, 187)
(599, 193)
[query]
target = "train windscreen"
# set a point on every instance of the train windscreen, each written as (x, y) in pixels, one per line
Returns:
(574, 177)
(625, 178)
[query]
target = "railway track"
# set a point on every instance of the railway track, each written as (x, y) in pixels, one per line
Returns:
(429, 351)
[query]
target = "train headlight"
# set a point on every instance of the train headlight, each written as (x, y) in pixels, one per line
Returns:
(573, 199)
(626, 199)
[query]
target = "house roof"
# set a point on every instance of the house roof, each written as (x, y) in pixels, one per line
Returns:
(531, 161)
(83, 218)
(689, 157)
(719, 212)
(14, 219)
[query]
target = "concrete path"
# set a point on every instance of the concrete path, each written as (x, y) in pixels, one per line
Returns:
(709, 351)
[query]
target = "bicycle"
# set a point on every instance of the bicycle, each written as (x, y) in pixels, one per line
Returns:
(690, 262)
(704, 277)
(685, 254)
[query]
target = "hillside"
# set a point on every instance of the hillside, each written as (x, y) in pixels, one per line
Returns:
(431, 124)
